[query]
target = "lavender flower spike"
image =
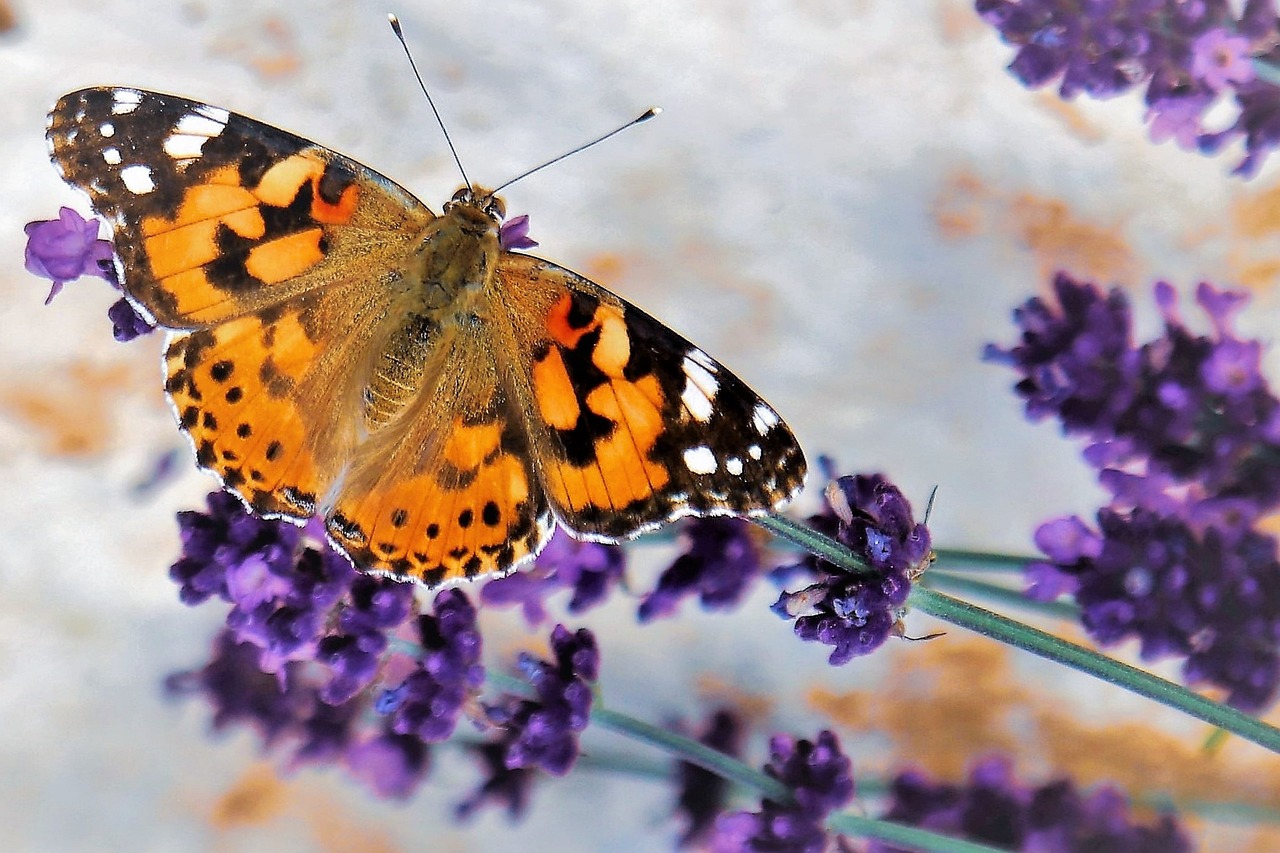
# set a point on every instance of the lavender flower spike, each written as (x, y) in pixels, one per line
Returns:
(66, 248)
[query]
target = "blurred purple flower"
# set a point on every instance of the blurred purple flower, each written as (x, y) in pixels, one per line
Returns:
(721, 560)
(1219, 59)
(856, 613)
(543, 732)
(392, 765)
(1186, 54)
(590, 569)
(66, 248)
(703, 794)
(448, 673)
(503, 786)
(992, 808)
(820, 779)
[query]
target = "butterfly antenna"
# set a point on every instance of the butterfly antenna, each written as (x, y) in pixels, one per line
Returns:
(645, 116)
(395, 27)
(928, 509)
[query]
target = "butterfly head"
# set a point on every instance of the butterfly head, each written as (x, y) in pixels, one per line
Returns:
(480, 199)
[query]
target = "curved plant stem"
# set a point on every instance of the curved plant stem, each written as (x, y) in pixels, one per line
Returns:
(969, 586)
(1040, 643)
(682, 748)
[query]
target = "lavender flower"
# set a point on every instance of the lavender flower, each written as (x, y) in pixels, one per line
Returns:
(543, 732)
(503, 786)
(1184, 430)
(1187, 54)
(722, 559)
(427, 703)
(126, 322)
(1185, 406)
(66, 248)
(1054, 818)
(392, 765)
(514, 234)
(590, 569)
(855, 614)
(703, 794)
(820, 779)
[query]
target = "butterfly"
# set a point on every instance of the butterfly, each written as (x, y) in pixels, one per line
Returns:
(336, 348)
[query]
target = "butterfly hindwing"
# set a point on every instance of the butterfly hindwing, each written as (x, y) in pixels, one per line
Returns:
(447, 490)
(631, 424)
(216, 214)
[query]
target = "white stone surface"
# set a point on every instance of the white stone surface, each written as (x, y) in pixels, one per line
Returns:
(782, 213)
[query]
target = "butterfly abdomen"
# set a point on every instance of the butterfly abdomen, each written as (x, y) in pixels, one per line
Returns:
(397, 375)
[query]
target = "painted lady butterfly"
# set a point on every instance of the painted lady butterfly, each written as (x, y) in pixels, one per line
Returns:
(337, 348)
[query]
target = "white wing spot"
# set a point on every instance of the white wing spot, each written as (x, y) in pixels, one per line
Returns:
(194, 124)
(734, 466)
(125, 101)
(137, 179)
(754, 452)
(700, 460)
(107, 130)
(702, 358)
(699, 390)
(112, 156)
(184, 147)
(764, 419)
(216, 114)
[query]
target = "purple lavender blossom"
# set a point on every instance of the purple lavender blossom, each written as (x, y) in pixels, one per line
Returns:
(514, 234)
(503, 786)
(1184, 432)
(66, 248)
(855, 614)
(1186, 406)
(820, 779)
(1053, 818)
(543, 732)
(703, 794)
(448, 673)
(722, 559)
(590, 569)
(392, 765)
(126, 322)
(1220, 59)
(1187, 55)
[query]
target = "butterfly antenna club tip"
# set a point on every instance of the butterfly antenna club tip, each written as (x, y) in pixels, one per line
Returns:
(643, 117)
(399, 32)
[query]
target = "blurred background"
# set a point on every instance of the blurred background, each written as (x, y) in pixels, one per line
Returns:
(842, 201)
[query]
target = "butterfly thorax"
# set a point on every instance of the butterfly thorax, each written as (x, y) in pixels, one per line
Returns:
(446, 295)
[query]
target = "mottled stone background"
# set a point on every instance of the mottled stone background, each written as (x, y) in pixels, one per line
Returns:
(843, 201)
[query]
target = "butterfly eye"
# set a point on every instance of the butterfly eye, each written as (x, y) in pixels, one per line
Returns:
(496, 209)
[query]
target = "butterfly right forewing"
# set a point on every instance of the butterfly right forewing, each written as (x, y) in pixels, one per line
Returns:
(631, 424)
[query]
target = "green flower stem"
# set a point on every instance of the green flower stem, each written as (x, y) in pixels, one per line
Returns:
(1077, 657)
(982, 561)
(1040, 643)
(813, 542)
(726, 766)
(944, 581)
(904, 836)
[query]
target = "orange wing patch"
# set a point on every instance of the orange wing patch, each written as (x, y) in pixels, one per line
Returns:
(472, 509)
(621, 418)
(233, 389)
(223, 236)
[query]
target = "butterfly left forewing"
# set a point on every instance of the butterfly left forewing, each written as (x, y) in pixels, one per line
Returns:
(631, 425)
(216, 214)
